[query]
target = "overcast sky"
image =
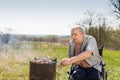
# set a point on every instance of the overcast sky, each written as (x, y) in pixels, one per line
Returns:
(46, 16)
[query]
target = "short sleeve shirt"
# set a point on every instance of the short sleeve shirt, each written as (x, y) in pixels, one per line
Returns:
(89, 43)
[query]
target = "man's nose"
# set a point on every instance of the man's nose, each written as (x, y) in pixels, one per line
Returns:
(72, 36)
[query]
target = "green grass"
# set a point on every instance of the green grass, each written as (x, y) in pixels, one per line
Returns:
(14, 63)
(112, 59)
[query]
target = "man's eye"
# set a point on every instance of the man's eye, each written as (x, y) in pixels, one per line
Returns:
(75, 34)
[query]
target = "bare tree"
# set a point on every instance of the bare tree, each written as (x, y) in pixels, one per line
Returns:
(97, 26)
(116, 5)
(6, 36)
(89, 21)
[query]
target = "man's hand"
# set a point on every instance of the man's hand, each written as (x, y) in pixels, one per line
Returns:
(65, 62)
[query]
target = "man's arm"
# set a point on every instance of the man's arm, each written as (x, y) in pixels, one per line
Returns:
(78, 58)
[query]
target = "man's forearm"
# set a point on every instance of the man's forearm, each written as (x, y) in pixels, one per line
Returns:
(81, 56)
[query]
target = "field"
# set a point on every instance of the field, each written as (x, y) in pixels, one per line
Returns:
(14, 62)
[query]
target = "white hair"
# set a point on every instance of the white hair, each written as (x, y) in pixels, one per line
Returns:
(80, 28)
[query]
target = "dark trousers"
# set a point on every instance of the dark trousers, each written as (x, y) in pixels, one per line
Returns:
(86, 74)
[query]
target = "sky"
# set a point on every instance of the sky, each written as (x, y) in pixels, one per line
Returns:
(53, 17)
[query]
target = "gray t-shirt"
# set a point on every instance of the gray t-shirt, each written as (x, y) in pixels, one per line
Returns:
(89, 43)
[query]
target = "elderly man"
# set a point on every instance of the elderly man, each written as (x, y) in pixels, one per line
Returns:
(84, 55)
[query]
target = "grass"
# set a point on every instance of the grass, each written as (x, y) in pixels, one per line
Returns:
(14, 63)
(112, 59)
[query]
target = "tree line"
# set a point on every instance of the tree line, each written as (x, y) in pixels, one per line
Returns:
(105, 36)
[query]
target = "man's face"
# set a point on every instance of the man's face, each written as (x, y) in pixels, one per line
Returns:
(76, 35)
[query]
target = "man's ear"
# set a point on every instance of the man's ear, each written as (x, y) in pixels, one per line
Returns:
(83, 33)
